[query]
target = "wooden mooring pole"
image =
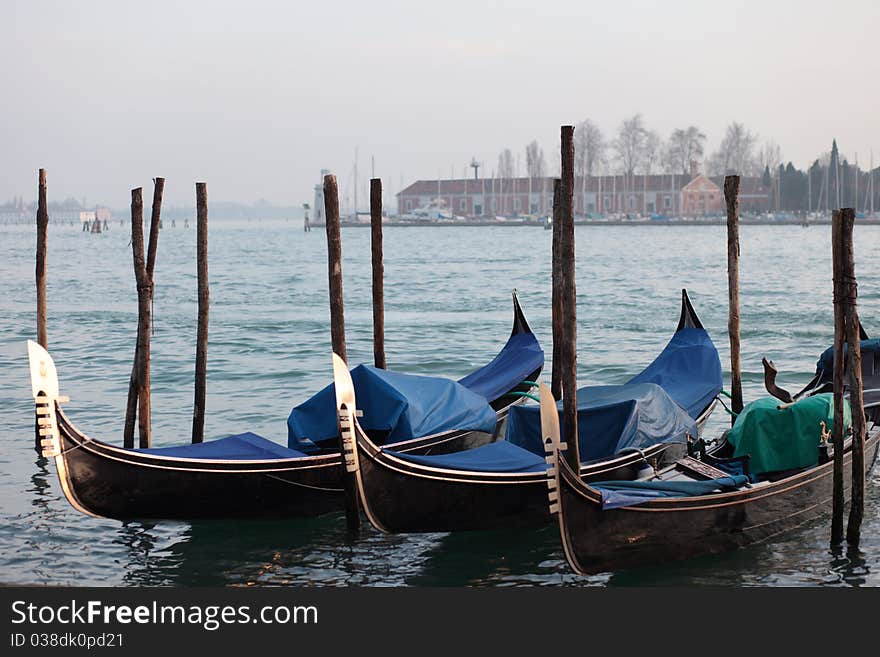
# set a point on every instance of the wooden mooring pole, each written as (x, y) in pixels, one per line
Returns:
(155, 224)
(837, 379)
(731, 196)
(136, 405)
(378, 273)
(568, 298)
(40, 275)
(334, 266)
(337, 327)
(198, 425)
(557, 311)
(849, 297)
(141, 373)
(42, 240)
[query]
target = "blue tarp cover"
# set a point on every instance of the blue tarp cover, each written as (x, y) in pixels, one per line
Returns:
(616, 494)
(610, 418)
(404, 405)
(689, 369)
(825, 364)
(519, 358)
(500, 456)
(243, 446)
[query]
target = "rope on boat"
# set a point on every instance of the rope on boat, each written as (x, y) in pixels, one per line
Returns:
(723, 405)
(524, 394)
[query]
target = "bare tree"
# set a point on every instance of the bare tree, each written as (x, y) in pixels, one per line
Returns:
(685, 146)
(770, 155)
(651, 151)
(736, 153)
(536, 166)
(589, 148)
(506, 164)
(629, 146)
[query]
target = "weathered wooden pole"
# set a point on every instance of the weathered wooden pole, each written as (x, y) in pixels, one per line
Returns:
(155, 222)
(557, 310)
(133, 387)
(40, 275)
(337, 328)
(198, 426)
(42, 239)
(731, 196)
(378, 273)
(334, 265)
(849, 289)
(142, 349)
(837, 378)
(568, 298)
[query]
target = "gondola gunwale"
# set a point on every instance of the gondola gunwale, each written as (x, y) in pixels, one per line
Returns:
(379, 456)
(698, 502)
(140, 459)
(137, 458)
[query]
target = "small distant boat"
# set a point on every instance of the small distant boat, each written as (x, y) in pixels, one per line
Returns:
(246, 475)
(435, 210)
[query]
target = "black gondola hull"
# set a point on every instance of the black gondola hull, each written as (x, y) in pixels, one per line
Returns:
(110, 482)
(401, 497)
(675, 529)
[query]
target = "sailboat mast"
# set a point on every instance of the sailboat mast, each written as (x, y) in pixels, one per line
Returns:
(837, 181)
(856, 199)
(809, 189)
(355, 183)
(828, 186)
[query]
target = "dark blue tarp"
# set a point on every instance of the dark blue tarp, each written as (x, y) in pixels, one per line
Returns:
(610, 418)
(500, 456)
(519, 358)
(243, 446)
(616, 494)
(825, 364)
(401, 406)
(689, 369)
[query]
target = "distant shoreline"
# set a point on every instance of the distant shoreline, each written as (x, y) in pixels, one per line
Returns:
(715, 221)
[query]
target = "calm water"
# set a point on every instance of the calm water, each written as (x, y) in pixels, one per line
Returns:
(447, 312)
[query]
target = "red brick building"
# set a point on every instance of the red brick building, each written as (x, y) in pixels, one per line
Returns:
(700, 197)
(666, 194)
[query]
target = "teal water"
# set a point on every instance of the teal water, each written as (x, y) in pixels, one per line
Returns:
(447, 312)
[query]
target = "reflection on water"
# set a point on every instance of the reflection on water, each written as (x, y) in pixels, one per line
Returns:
(269, 333)
(849, 565)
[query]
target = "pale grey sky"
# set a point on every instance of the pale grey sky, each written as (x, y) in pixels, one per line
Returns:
(256, 97)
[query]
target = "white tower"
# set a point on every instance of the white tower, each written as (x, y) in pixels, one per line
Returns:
(318, 218)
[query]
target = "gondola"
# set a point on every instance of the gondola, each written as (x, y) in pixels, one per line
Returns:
(704, 503)
(247, 475)
(644, 423)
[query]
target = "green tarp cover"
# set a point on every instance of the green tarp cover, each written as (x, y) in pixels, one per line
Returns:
(783, 439)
